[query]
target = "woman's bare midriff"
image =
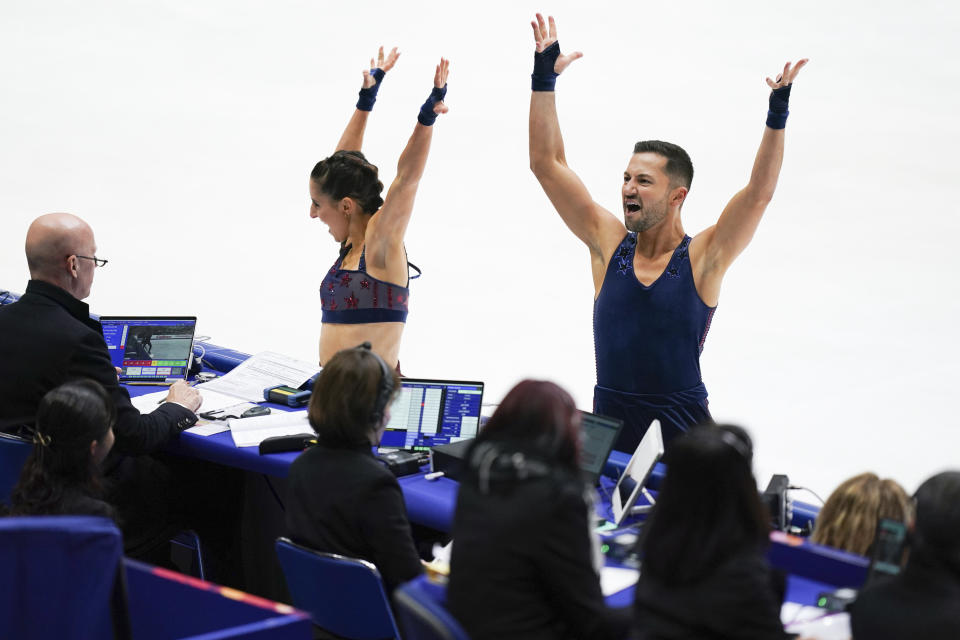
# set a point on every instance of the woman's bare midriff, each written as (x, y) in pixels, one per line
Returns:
(383, 336)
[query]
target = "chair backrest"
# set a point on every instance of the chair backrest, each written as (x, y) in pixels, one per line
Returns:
(13, 453)
(421, 617)
(343, 595)
(60, 578)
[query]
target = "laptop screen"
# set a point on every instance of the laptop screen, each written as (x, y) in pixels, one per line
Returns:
(150, 349)
(430, 412)
(597, 435)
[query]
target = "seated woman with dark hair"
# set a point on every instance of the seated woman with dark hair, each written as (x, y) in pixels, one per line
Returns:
(524, 564)
(924, 600)
(341, 499)
(74, 433)
(848, 519)
(703, 571)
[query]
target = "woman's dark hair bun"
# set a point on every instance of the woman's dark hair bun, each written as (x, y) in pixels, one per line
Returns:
(348, 174)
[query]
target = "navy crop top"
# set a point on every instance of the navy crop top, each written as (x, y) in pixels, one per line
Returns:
(350, 296)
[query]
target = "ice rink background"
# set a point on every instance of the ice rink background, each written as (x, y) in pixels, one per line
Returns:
(184, 133)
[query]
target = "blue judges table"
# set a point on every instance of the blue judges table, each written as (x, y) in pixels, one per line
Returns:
(432, 503)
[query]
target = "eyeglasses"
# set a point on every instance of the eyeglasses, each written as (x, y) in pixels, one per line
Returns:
(97, 261)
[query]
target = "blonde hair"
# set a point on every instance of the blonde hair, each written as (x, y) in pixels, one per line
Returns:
(848, 519)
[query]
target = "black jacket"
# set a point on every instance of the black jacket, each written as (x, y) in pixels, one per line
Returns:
(344, 501)
(48, 338)
(921, 602)
(740, 599)
(73, 502)
(522, 564)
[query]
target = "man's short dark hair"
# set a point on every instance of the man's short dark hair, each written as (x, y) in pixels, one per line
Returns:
(679, 167)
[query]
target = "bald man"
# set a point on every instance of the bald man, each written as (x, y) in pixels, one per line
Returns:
(48, 338)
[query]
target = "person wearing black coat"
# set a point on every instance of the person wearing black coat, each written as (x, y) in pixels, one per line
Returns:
(340, 498)
(72, 436)
(47, 338)
(523, 563)
(703, 573)
(924, 600)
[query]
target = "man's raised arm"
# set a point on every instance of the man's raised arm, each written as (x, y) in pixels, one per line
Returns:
(547, 161)
(740, 218)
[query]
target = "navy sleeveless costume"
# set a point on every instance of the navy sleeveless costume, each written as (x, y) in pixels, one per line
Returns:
(648, 342)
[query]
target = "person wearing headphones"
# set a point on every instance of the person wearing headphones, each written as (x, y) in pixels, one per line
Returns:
(341, 499)
(703, 571)
(525, 563)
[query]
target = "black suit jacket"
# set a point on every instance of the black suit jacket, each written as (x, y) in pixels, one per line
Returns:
(522, 566)
(48, 338)
(740, 599)
(921, 602)
(344, 501)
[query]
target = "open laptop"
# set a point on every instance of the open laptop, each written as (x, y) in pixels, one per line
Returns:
(430, 412)
(150, 349)
(635, 475)
(597, 435)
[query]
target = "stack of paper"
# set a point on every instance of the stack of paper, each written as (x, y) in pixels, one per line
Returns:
(250, 432)
(614, 579)
(212, 400)
(261, 371)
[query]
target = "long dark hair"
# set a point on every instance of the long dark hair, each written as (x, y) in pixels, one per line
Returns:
(539, 415)
(348, 174)
(69, 418)
(936, 535)
(708, 508)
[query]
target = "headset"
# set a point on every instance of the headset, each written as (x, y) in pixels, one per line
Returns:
(385, 387)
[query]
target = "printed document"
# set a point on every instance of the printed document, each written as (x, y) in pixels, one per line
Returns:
(265, 369)
(250, 432)
(212, 401)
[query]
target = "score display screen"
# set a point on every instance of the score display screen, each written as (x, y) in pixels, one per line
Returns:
(426, 413)
(149, 349)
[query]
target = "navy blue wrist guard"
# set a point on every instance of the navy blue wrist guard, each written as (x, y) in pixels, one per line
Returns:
(544, 78)
(427, 115)
(777, 115)
(368, 95)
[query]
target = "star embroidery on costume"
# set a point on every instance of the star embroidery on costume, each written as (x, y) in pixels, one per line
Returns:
(623, 252)
(345, 280)
(364, 284)
(624, 267)
(333, 305)
(400, 299)
(672, 272)
(330, 287)
(352, 301)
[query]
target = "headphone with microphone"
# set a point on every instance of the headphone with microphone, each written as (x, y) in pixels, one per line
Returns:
(385, 387)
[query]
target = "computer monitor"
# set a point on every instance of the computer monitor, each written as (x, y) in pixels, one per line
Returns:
(430, 412)
(597, 435)
(150, 348)
(634, 476)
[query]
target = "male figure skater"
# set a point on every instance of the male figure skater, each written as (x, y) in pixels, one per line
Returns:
(655, 288)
